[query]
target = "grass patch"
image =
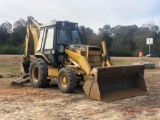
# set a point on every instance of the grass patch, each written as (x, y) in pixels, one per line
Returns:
(120, 63)
(9, 70)
(9, 67)
(117, 63)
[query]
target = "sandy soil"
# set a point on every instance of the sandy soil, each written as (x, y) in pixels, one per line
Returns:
(27, 103)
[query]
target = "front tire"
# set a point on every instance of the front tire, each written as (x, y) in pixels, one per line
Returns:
(38, 73)
(67, 80)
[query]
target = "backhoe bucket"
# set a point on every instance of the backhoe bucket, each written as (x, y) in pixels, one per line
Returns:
(116, 82)
(24, 69)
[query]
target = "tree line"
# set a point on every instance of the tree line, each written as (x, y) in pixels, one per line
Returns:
(126, 40)
(120, 40)
(12, 37)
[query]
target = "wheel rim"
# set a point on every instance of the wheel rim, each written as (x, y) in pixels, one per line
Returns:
(63, 80)
(35, 73)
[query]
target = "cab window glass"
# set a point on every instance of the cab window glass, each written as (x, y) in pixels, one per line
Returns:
(49, 38)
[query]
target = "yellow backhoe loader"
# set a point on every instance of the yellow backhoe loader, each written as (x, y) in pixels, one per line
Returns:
(59, 53)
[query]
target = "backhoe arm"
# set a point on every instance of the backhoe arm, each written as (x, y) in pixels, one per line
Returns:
(32, 33)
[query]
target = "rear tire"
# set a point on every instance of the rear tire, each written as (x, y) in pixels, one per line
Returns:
(67, 80)
(38, 73)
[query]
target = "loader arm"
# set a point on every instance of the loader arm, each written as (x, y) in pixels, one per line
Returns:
(105, 59)
(81, 60)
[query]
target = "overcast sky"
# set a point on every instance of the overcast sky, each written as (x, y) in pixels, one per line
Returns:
(90, 13)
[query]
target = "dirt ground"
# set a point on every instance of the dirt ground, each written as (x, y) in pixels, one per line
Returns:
(27, 103)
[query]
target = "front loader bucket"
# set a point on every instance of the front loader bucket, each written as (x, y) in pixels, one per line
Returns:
(116, 82)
